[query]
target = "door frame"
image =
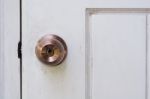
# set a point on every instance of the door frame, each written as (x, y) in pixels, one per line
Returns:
(9, 38)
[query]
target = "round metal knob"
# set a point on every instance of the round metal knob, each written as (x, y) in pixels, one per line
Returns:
(51, 49)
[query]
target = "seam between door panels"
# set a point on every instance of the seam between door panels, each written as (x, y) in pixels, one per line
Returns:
(20, 49)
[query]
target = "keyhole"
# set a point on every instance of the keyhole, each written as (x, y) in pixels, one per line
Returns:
(49, 51)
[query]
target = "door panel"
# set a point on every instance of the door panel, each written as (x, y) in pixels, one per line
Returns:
(119, 56)
(106, 52)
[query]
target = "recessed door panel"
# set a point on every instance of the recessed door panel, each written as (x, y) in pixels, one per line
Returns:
(118, 56)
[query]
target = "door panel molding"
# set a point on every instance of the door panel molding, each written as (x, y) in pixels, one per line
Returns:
(88, 42)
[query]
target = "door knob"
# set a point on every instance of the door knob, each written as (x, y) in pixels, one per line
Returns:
(51, 49)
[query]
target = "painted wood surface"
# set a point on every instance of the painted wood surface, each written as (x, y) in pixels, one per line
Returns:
(107, 51)
(78, 77)
(9, 38)
(119, 56)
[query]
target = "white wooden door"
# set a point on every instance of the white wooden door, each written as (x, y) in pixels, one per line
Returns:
(108, 49)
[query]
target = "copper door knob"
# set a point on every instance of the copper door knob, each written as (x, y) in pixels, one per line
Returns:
(51, 49)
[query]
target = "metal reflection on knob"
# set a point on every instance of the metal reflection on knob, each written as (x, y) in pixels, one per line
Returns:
(51, 50)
